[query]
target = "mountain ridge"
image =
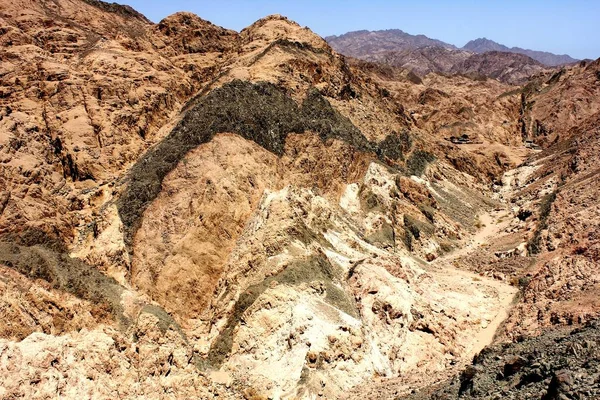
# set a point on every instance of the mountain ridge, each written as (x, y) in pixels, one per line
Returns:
(513, 68)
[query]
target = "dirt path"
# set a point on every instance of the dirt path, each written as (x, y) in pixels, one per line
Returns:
(495, 296)
(489, 228)
(498, 292)
(444, 271)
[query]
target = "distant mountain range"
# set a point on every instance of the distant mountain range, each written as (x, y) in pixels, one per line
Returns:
(507, 67)
(422, 55)
(369, 44)
(483, 45)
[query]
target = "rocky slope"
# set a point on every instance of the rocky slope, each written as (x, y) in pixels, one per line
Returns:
(560, 105)
(188, 211)
(84, 92)
(483, 45)
(561, 364)
(511, 68)
(452, 105)
(566, 193)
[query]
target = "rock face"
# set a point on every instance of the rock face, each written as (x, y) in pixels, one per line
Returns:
(560, 290)
(190, 211)
(560, 105)
(483, 45)
(84, 93)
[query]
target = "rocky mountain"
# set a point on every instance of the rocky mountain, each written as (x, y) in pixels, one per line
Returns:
(362, 44)
(423, 60)
(483, 45)
(506, 67)
(372, 44)
(510, 68)
(423, 55)
(193, 212)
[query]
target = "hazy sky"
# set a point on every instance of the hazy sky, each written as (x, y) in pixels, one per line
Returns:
(571, 27)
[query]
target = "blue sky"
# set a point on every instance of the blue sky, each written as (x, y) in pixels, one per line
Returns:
(571, 27)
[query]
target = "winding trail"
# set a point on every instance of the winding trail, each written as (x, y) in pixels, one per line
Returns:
(444, 270)
(498, 292)
(490, 228)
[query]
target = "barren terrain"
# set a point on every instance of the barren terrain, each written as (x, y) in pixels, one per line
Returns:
(192, 212)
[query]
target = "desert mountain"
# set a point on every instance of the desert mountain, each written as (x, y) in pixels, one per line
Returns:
(194, 212)
(367, 44)
(361, 44)
(483, 45)
(423, 55)
(506, 67)
(422, 60)
(509, 68)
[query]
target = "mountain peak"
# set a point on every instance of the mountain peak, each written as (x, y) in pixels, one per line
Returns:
(482, 45)
(273, 18)
(276, 26)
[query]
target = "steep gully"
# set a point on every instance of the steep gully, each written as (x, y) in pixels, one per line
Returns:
(491, 225)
